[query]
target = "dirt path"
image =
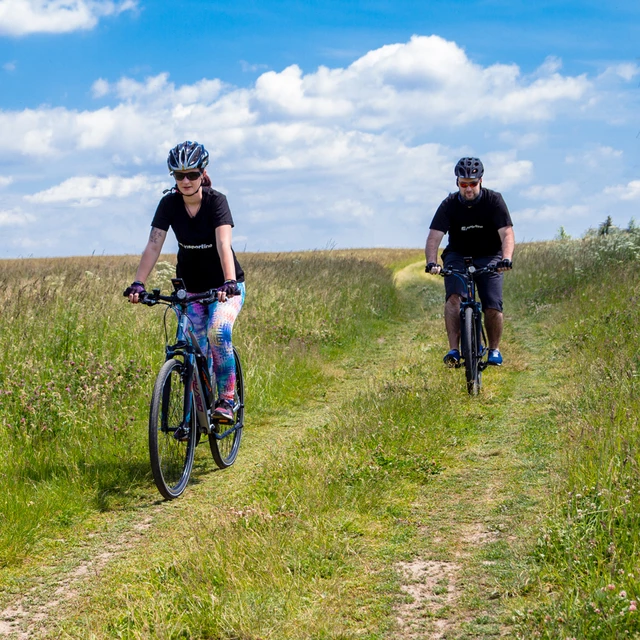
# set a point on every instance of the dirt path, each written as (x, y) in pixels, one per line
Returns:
(485, 500)
(463, 518)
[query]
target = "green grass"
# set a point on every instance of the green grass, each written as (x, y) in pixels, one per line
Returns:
(584, 559)
(78, 363)
(363, 452)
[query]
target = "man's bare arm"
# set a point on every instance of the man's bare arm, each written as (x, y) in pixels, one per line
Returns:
(508, 242)
(433, 242)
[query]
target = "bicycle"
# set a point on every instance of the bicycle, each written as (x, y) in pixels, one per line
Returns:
(183, 400)
(472, 336)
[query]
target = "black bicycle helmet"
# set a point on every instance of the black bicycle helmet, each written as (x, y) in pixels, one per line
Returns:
(469, 168)
(187, 156)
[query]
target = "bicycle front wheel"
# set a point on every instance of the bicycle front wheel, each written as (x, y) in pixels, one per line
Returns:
(172, 430)
(224, 440)
(470, 352)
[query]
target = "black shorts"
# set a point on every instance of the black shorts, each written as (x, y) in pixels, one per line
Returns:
(489, 284)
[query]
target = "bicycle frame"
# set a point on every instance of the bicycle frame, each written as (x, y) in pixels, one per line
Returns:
(470, 301)
(472, 335)
(199, 386)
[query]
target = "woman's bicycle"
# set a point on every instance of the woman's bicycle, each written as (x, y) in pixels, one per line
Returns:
(472, 336)
(183, 401)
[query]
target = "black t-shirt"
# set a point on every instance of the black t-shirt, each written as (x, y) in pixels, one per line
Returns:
(198, 260)
(473, 230)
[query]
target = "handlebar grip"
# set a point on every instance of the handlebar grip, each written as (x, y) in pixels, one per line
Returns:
(147, 298)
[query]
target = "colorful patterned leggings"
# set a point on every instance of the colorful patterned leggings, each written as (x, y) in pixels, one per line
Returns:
(212, 325)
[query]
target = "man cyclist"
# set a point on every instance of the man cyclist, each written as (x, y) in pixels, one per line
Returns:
(479, 226)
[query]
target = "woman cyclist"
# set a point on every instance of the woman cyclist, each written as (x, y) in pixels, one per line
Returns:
(202, 222)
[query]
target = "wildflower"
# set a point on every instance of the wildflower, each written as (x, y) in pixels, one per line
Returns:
(633, 606)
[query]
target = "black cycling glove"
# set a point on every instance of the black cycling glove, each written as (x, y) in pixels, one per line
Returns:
(230, 287)
(134, 287)
(504, 264)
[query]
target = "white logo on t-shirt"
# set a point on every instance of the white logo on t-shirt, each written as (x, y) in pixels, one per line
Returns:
(195, 246)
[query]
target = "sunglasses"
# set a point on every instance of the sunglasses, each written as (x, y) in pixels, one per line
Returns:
(190, 175)
(464, 185)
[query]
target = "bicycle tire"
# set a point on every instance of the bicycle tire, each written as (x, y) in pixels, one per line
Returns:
(225, 450)
(171, 459)
(470, 352)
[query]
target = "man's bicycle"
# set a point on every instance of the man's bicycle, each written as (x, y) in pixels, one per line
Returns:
(183, 401)
(472, 336)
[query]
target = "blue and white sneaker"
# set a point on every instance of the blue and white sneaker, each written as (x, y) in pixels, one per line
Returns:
(495, 357)
(452, 358)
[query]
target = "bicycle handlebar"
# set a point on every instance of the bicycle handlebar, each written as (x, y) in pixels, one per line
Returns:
(177, 297)
(467, 271)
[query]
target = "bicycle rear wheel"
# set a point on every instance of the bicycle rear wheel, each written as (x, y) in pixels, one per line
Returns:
(470, 352)
(171, 459)
(225, 438)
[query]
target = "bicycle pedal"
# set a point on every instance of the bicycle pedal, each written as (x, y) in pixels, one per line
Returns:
(181, 434)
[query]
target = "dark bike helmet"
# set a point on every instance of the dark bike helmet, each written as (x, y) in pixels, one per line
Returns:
(469, 168)
(187, 156)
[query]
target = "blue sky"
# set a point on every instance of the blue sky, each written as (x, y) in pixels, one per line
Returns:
(329, 123)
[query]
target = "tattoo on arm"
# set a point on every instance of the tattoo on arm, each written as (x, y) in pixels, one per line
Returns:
(157, 236)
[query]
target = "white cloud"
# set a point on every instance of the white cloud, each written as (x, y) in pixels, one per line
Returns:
(551, 65)
(521, 139)
(24, 17)
(252, 68)
(411, 89)
(558, 214)
(100, 88)
(630, 191)
(159, 91)
(10, 66)
(91, 190)
(506, 170)
(363, 153)
(427, 79)
(625, 70)
(348, 208)
(561, 192)
(15, 218)
(594, 157)
(5, 181)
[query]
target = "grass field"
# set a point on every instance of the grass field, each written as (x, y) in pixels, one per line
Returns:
(363, 456)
